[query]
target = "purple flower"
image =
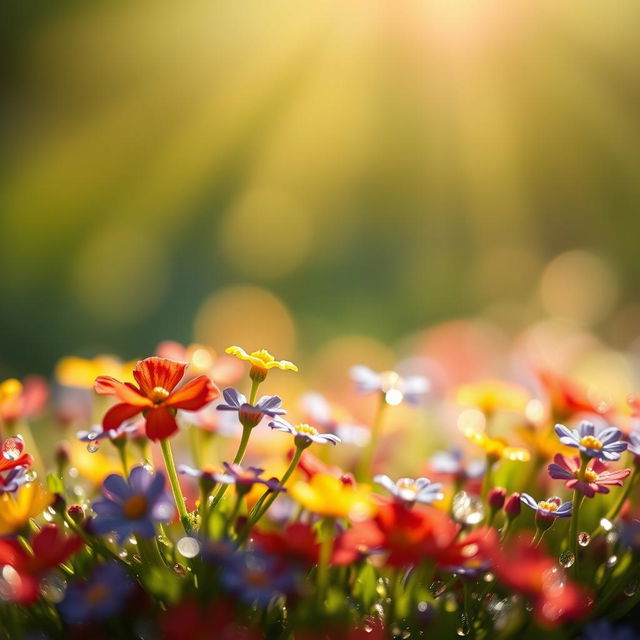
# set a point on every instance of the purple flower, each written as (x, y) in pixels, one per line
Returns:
(394, 387)
(551, 508)
(318, 410)
(244, 479)
(634, 443)
(102, 596)
(451, 463)
(132, 507)
(604, 629)
(13, 479)
(605, 445)
(250, 414)
(98, 433)
(304, 434)
(410, 490)
(256, 578)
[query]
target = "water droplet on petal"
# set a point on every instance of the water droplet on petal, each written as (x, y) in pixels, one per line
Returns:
(437, 588)
(612, 561)
(566, 559)
(631, 588)
(30, 475)
(12, 447)
(188, 547)
(52, 588)
(584, 539)
(93, 446)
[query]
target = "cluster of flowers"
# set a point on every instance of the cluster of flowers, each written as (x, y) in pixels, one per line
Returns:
(315, 550)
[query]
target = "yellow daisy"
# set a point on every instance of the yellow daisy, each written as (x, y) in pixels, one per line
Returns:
(261, 361)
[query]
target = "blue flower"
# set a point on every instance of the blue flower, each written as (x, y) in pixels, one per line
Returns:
(410, 490)
(304, 434)
(603, 629)
(256, 578)
(394, 387)
(132, 507)
(551, 508)
(606, 445)
(99, 598)
(250, 414)
(98, 433)
(451, 463)
(13, 479)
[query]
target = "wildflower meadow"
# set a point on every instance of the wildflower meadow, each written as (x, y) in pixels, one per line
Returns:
(191, 505)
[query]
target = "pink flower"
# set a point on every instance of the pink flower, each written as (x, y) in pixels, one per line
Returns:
(596, 478)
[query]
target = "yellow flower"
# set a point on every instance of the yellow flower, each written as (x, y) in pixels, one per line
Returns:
(328, 496)
(93, 466)
(30, 501)
(9, 389)
(493, 395)
(261, 361)
(497, 448)
(82, 373)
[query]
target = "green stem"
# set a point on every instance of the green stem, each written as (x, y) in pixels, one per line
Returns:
(575, 513)
(234, 512)
(488, 478)
(254, 390)
(170, 465)
(269, 497)
(244, 441)
(324, 557)
(366, 460)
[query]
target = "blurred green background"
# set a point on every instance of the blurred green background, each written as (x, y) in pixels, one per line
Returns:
(286, 171)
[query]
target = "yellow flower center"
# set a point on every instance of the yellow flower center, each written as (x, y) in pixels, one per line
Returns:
(589, 475)
(591, 442)
(407, 487)
(548, 506)
(158, 395)
(306, 429)
(135, 507)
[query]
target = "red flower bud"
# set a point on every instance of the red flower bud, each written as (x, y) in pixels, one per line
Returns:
(512, 506)
(497, 497)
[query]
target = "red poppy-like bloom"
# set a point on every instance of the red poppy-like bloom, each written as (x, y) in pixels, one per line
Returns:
(530, 571)
(50, 547)
(156, 396)
(597, 478)
(567, 398)
(408, 535)
(296, 544)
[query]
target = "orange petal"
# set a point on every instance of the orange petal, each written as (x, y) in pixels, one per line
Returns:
(158, 372)
(127, 393)
(118, 414)
(194, 395)
(161, 423)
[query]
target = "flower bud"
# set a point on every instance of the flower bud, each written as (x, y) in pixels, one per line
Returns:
(512, 506)
(76, 513)
(348, 480)
(496, 498)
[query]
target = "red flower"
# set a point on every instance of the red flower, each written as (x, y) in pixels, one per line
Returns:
(567, 398)
(155, 396)
(296, 544)
(50, 548)
(408, 535)
(530, 571)
(30, 402)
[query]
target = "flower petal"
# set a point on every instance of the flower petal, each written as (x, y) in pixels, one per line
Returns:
(127, 393)
(193, 395)
(118, 414)
(158, 372)
(115, 487)
(160, 423)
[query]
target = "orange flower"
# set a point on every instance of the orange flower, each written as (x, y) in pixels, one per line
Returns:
(156, 396)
